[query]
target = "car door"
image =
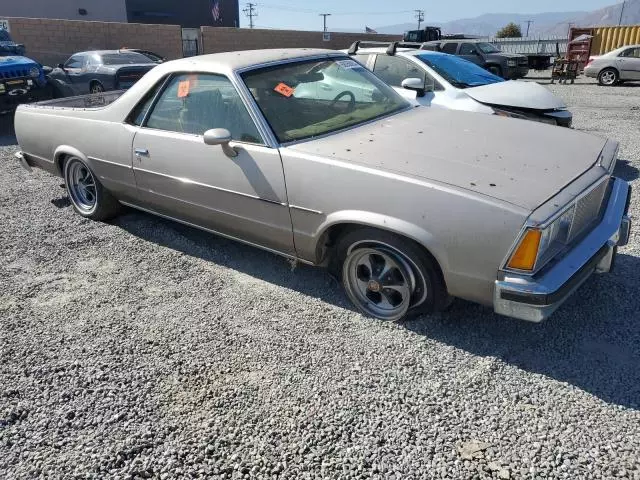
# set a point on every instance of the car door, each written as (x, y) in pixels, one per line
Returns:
(629, 62)
(393, 69)
(470, 52)
(179, 176)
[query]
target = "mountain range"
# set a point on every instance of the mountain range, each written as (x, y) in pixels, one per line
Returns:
(549, 24)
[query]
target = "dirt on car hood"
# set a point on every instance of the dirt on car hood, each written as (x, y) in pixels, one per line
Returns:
(518, 94)
(517, 161)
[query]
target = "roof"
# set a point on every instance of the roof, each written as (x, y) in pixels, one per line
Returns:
(249, 58)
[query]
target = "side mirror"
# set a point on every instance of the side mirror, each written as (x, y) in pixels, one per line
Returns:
(222, 137)
(47, 70)
(61, 66)
(415, 84)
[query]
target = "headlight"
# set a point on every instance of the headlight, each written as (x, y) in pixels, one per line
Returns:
(512, 63)
(34, 72)
(538, 245)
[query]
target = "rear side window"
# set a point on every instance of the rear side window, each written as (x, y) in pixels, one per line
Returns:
(631, 53)
(450, 48)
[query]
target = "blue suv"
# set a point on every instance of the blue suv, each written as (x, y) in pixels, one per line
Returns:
(22, 80)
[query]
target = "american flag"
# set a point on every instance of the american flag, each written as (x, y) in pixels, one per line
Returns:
(215, 10)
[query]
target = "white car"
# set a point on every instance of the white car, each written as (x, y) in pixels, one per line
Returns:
(615, 67)
(442, 80)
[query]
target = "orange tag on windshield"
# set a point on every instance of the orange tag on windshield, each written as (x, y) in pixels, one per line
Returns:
(284, 89)
(183, 89)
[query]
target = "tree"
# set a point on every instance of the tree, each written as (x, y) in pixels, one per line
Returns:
(512, 30)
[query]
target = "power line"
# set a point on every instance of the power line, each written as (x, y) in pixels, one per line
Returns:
(420, 17)
(324, 19)
(251, 12)
(624, 3)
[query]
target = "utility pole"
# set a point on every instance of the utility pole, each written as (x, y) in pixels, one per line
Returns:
(420, 17)
(324, 20)
(624, 3)
(529, 22)
(251, 12)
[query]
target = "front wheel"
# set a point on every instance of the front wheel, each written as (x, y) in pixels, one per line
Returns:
(389, 277)
(608, 77)
(88, 197)
(495, 69)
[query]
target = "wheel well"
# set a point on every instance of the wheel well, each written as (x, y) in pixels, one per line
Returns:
(326, 251)
(60, 162)
(609, 68)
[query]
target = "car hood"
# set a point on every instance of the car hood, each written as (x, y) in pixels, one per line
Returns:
(517, 161)
(529, 95)
(16, 61)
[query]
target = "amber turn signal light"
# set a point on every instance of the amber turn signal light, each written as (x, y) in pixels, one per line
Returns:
(525, 256)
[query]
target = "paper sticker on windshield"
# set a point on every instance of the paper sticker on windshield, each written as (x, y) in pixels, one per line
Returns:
(350, 64)
(183, 89)
(284, 89)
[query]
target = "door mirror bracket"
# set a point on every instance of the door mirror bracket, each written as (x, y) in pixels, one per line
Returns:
(222, 137)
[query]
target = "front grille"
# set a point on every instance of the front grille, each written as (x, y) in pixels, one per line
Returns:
(588, 210)
(16, 73)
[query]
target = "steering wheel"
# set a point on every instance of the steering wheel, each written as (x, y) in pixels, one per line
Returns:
(352, 101)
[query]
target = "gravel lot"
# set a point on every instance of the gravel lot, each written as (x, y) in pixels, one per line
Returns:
(144, 349)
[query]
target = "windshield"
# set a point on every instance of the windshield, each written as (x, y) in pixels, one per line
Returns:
(306, 99)
(459, 72)
(129, 58)
(4, 36)
(488, 48)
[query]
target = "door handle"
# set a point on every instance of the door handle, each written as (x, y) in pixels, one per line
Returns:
(142, 151)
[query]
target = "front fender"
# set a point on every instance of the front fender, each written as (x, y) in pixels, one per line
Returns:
(384, 222)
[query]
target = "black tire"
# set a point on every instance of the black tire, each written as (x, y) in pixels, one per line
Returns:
(608, 77)
(88, 196)
(409, 268)
(96, 87)
(496, 70)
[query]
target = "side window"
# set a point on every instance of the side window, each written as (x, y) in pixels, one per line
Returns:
(137, 115)
(450, 48)
(393, 70)
(468, 49)
(195, 103)
(361, 58)
(77, 61)
(631, 53)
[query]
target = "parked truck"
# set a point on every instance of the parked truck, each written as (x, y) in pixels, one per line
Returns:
(22, 80)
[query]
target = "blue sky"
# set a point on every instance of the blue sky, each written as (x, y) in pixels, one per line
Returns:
(303, 15)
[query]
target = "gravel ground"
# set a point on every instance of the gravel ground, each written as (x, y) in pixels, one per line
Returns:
(144, 349)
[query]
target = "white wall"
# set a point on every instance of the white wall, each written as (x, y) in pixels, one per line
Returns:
(98, 10)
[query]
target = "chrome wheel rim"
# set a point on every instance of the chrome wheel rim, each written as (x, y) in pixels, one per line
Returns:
(380, 282)
(608, 78)
(82, 186)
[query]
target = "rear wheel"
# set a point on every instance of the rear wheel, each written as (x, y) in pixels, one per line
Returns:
(608, 77)
(389, 277)
(88, 197)
(96, 87)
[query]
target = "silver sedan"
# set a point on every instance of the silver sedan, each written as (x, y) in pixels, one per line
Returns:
(408, 206)
(615, 67)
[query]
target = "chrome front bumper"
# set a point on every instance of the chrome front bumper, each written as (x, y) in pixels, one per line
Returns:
(536, 298)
